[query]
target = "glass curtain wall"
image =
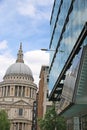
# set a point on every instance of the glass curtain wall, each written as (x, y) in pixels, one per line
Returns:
(72, 15)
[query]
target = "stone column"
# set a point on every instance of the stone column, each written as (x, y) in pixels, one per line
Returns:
(18, 91)
(26, 128)
(18, 127)
(3, 91)
(21, 91)
(6, 90)
(22, 126)
(12, 127)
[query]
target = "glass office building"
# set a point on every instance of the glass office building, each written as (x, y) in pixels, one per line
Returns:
(68, 61)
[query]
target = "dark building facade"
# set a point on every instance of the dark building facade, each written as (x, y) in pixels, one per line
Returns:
(68, 63)
(34, 119)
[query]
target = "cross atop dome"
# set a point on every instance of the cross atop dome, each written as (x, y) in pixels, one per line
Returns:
(20, 55)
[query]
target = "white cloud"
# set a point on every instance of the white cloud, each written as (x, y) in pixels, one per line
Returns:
(3, 44)
(70, 41)
(35, 59)
(25, 8)
(80, 17)
(44, 2)
(5, 61)
(6, 58)
(35, 9)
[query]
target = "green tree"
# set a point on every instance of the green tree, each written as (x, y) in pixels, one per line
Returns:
(4, 122)
(52, 121)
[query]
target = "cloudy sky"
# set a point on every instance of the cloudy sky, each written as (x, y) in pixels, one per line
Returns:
(25, 21)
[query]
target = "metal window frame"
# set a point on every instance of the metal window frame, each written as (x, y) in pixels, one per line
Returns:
(67, 65)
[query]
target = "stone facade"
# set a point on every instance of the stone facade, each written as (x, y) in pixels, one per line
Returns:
(17, 94)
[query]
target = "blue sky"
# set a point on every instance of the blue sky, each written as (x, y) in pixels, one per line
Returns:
(25, 21)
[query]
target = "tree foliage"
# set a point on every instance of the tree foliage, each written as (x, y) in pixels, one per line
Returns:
(4, 122)
(52, 121)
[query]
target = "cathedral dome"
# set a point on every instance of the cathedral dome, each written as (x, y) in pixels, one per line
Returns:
(19, 68)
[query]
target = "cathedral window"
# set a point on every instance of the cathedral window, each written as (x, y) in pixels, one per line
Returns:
(20, 111)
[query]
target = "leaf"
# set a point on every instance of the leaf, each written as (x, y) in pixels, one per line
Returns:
(4, 122)
(52, 120)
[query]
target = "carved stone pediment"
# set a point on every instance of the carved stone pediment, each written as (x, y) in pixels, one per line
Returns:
(21, 102)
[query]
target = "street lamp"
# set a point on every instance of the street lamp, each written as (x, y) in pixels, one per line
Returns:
(43, 49)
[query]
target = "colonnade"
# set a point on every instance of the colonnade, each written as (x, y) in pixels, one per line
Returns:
(17, 91)
(19, 126)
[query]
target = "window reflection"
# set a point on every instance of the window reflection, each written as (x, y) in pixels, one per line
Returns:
(77, 19)
(69, 82)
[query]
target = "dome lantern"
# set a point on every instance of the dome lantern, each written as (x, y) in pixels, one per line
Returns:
(20, 55)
